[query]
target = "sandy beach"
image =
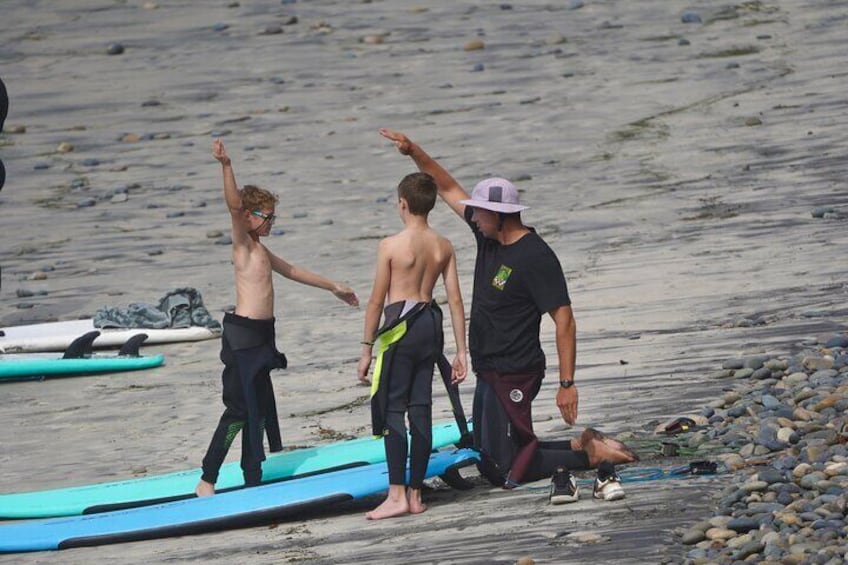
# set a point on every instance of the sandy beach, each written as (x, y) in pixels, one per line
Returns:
(690, 177)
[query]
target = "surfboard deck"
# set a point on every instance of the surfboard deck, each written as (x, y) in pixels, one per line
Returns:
(57, 336)
(236, 509)
(286, 465)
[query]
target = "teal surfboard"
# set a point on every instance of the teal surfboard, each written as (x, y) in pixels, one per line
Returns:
(15, 366)
(236, 509)
(277, 467)
(78, 359)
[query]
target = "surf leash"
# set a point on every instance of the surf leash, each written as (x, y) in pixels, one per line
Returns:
(644, 474)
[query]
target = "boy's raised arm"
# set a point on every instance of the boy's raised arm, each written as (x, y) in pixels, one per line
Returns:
(231, 191)
(232, 195)
(450, 190)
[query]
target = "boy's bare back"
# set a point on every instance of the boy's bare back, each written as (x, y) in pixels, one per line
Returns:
(416, 257)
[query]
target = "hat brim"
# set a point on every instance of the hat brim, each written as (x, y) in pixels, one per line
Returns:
(504, 207)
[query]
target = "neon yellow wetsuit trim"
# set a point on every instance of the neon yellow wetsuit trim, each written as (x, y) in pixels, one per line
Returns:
(383, 342)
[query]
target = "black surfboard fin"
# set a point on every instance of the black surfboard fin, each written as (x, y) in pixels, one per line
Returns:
(81, 346)
(453, 479)
(130, 347)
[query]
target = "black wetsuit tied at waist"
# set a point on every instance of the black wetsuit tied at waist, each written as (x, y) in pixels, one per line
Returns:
(249, 353)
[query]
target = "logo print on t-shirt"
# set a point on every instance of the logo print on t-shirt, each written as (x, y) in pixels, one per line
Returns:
(500, 278)
(516, 395)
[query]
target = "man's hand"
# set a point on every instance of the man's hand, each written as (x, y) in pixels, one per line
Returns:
(566, 401)
(220, 152)
(402, 142)
(346, 294)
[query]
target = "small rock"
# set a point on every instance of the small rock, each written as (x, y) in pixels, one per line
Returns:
(690, 18)
(474, 45)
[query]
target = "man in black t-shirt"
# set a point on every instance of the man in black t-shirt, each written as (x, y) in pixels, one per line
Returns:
(517, 278)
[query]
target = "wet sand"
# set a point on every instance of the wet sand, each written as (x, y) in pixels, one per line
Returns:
(674, 167)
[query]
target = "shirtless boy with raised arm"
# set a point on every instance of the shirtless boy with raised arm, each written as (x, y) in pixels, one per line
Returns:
(248, 348)
(410, 341)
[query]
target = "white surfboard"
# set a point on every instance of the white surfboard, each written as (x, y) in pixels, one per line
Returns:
(57, 336)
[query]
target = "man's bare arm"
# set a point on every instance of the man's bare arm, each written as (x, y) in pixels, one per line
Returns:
(566, 343)
(449, 189)
(297, 274)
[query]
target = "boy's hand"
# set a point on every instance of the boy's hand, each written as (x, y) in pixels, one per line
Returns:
(362, 368)
(219, 152)
(459, 369)
(402, 142)
(346, 294)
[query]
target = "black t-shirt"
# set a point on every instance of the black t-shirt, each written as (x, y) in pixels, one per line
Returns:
(514, 285)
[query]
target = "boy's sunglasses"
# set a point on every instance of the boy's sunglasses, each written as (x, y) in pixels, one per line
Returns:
(266, 217)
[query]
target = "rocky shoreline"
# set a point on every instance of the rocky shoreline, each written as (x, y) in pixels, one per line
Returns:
(786, 421)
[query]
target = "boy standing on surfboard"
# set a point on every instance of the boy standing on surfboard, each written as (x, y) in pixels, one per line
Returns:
(248, 348)
(410, 341)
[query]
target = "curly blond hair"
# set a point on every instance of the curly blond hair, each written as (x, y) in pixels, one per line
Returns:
(255, 198)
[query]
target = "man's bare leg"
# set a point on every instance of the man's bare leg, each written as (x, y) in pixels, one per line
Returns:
(395, 504)
(204, 489)
(415, 504)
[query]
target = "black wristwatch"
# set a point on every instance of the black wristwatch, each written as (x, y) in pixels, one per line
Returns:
(566, 384)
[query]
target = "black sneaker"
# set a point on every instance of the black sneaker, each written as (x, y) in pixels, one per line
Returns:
(563, 487)
(607, 484)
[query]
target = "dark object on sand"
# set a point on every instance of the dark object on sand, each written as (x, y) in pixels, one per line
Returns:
(670, 449)
(697, 468)
(4, 105)
(680, 425)
(2, 175)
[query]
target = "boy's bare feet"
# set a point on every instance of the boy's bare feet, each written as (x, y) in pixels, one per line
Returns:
(395, 504)
(415, 504)
(204, 489)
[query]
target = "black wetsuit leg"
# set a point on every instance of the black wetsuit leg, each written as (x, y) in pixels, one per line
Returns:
(552, 454)
(411, 392)
(222, 439)
(248, 354)
(233, 420)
